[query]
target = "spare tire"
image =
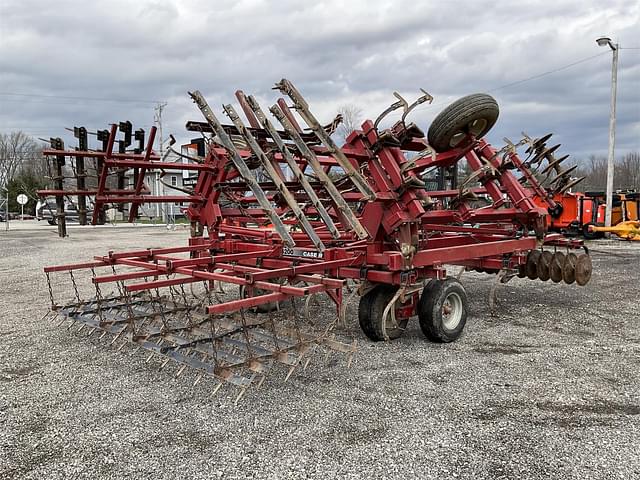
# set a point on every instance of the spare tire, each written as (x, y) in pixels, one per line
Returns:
(474, 114)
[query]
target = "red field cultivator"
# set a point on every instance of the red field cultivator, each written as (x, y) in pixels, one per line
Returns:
(284, 213)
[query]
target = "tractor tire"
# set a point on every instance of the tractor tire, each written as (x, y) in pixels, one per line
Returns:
(370, 314)
(474, 114)
(590, 235)
(442, 310)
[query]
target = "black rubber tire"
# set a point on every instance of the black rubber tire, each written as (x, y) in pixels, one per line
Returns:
(371, 309)
(263, 308)
(430, 309)
(459, 115)
(590, 235)
(52, 222)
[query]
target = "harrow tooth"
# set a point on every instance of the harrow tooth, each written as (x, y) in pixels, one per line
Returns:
(198, 379)
(240, 395)
(216, 389)
(291, 369)
(117, 336)
(179, 372)
(261, 381)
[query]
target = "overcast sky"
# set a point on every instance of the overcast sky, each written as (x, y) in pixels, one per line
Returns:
(139, 53)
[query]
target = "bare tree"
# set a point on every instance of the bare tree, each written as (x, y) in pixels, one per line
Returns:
(627, 172)
(19, 152)
(351, 120)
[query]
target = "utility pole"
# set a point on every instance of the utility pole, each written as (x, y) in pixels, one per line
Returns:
(606, 41)
(158, 121)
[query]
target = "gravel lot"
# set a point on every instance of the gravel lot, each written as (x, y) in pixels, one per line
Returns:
(547, 388)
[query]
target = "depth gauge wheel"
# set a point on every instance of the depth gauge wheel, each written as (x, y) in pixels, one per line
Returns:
(442, 310)
(263, 308)
(371, 314)
(471, 115)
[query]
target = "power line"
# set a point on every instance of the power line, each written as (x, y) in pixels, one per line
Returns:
(559, 69)
(93, 99)
(528, 79)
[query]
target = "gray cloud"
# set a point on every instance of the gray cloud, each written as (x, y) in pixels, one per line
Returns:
(158, 50)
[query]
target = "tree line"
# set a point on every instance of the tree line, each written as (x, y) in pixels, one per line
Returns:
(23, 169)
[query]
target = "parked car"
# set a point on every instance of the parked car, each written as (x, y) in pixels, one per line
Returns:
(47, 210)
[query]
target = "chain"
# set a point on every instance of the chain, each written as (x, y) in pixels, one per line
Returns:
(186, 304)
(98, 297)
(53, 303)
(130, 316)
(75, 286)
(122, 294)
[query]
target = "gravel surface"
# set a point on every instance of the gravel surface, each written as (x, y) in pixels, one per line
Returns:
(547, 388)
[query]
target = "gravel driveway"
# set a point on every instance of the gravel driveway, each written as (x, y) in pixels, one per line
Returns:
(549, 387)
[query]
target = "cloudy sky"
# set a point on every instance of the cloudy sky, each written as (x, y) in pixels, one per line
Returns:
(66, 63)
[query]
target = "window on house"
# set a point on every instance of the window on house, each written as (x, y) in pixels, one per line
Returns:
(174, 180)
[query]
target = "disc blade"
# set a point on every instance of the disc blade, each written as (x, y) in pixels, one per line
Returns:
(583, 269)
(556, 267)
(569, 268)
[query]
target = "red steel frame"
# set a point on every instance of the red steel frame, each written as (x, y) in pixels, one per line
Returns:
(412, 233)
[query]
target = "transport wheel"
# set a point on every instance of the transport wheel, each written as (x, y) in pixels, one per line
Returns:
(543, 265)
(474, 114)
(531, 266)
(583, 269)
(370, 314)
(442, 310)
(569, 268)
(555, 270)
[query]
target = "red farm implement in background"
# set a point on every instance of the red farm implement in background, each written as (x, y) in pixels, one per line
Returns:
(284, 213)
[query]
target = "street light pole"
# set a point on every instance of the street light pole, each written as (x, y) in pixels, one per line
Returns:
(605, 41)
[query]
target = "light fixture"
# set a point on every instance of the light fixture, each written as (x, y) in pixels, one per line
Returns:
(604, 41)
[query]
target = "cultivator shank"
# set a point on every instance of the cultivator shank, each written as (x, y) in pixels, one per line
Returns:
(281, 214)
